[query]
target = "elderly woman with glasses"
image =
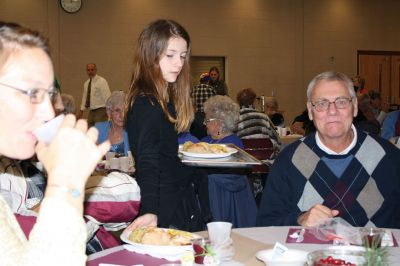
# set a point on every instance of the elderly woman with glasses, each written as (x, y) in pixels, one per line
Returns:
(231, 198)
(113, 129)
(26, 85)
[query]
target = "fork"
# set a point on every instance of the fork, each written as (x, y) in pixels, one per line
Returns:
(300, 238)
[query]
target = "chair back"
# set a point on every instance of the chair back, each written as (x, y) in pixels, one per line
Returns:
(261, 149)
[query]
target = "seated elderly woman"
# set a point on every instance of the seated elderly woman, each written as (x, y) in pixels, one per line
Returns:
(113, 129)
(26, 84)
(69, 103)
(272, 110)
(231, 199)
(64, 104)
(58, 104)
(365, 119)
(253, 124)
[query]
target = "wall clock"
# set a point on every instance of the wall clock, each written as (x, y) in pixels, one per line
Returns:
(71, 6)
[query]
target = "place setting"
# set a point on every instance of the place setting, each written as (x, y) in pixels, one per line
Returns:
(345, 245)
(166, 246)
(116, 163)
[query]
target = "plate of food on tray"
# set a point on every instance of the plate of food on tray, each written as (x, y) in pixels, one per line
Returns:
(206, 150)
(158, 242)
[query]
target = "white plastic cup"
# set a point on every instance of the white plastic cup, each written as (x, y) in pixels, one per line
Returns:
(131, 159)
(47, 131)
(124, 163)
(279, 130)
(110, 155)
(114, 163)
(283, 131)
(219, 232)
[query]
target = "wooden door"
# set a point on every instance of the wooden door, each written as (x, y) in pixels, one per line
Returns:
(381, 70)
(395, 80)
(376, 69)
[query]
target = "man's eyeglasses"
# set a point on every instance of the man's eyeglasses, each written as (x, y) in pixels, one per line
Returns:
(340, 103)
(36, 95)
(206, 121)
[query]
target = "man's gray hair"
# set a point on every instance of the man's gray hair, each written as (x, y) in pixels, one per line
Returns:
(331, 76)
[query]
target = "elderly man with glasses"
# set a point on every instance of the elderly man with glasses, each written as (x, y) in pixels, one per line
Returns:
(338, 171)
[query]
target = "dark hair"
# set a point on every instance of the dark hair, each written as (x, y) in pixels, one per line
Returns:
(213, 68)
(374, 95)
(246, 97)
(147, 78)
(205, 79)
(13, 33)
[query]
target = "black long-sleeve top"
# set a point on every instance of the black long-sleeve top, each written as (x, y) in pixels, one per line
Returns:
(162, 178)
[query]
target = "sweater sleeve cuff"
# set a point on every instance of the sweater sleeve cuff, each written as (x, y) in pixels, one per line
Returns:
(148, 205)
(292, 218)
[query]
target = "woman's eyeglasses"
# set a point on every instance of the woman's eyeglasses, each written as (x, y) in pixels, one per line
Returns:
(206, 121)
(117, 111)
(36, 95)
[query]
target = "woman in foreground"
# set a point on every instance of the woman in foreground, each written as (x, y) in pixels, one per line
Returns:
(26, 85)
(159, 107)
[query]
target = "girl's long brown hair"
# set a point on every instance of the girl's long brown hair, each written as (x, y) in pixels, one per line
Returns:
(147, 78)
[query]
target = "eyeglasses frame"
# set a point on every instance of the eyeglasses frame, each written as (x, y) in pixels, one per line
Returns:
(208, 120)
(314, 104)
(33, 92)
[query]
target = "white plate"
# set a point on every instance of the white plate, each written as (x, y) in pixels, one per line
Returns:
(292, 257)
(171, 253)
(209, 155)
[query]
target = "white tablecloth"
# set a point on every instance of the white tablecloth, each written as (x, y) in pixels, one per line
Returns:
(270, 235)
(247, 241)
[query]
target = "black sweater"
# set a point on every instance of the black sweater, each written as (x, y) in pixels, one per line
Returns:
(166, 184)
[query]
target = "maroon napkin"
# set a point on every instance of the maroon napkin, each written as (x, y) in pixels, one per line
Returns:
(309, 238)
(125, 257)
(395, 244)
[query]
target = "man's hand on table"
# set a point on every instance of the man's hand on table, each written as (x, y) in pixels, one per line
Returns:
(317, 215)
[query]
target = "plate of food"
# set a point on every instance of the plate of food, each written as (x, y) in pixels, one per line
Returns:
(206, 150)
(165, 243)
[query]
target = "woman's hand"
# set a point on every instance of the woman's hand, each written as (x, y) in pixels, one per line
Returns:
(72, 155)
(147, 219)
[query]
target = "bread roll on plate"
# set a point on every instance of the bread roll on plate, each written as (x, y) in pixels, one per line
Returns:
(203, 147)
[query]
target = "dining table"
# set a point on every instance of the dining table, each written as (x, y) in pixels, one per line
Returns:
(288, 139)
(246, 241)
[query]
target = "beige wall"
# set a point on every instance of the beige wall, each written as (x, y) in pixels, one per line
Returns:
(270, 45)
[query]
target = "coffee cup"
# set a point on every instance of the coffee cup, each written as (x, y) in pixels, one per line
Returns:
(219, 232)
(110, 155)
(124, 163)
(114, 163)
(284, 131)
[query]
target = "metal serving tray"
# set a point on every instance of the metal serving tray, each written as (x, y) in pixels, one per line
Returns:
(240, 159)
